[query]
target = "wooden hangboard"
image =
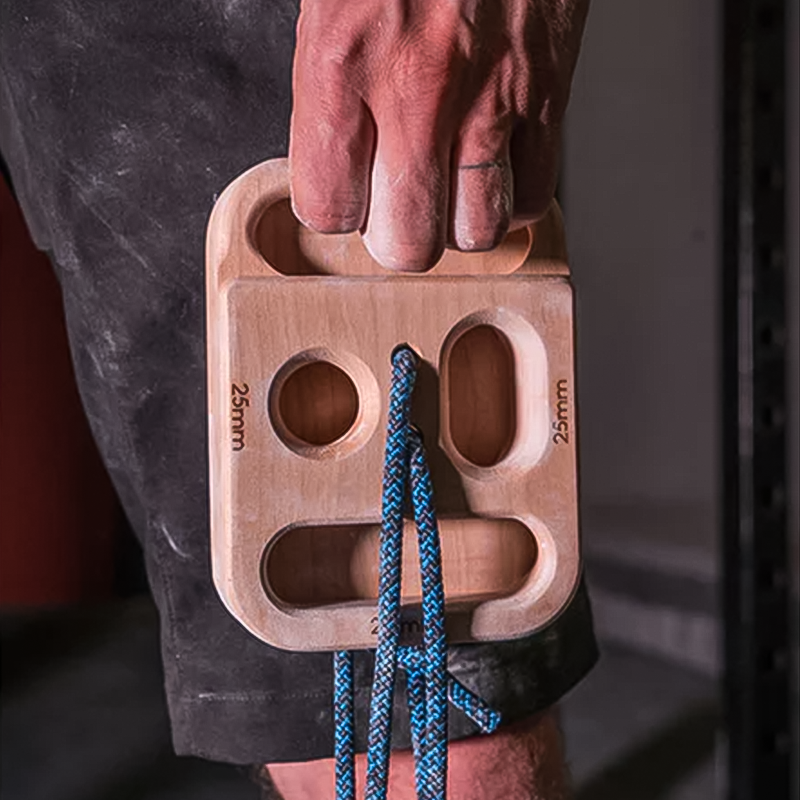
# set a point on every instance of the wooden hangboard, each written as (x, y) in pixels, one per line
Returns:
(301, 328)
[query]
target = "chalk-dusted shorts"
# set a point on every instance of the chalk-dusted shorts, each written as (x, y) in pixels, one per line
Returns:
(120, 122)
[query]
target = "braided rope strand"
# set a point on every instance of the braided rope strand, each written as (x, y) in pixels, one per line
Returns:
(344, 725)
(434, 743)
(415, 692)
(404, 373)
(429, 684)
(486, 718)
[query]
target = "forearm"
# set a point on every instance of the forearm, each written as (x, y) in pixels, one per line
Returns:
(522, 762)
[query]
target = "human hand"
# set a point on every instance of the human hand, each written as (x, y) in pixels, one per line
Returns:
(426, 122)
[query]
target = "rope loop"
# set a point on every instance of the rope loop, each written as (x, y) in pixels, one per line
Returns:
(428, 683)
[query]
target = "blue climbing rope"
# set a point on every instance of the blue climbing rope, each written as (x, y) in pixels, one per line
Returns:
(344, 726)
(428, 684)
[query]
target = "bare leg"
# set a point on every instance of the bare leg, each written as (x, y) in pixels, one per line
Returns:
(522, 762)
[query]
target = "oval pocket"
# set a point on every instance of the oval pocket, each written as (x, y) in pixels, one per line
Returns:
(482, 395)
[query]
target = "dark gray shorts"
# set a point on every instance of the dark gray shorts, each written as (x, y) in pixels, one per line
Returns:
(120, 123)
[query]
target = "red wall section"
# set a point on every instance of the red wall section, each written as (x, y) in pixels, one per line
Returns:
(57, 506)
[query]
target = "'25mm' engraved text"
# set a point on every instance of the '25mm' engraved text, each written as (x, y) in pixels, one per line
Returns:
(561, 425)
(239, 401)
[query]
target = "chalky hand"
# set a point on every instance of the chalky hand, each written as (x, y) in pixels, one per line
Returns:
(425, 123)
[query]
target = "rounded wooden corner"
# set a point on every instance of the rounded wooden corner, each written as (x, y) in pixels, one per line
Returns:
(550, 587)
(230, 252)
(238, 606)
(548, 252)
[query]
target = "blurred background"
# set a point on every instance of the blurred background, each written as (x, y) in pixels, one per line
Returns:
(83, 715)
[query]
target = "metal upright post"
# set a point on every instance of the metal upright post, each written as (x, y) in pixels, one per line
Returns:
(754, 401)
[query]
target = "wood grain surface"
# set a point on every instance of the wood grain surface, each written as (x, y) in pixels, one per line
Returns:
(300, 332)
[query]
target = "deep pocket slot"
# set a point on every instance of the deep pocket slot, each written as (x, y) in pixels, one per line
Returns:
(482, 395)
(318, 565)
(318, 403)
(292, 249)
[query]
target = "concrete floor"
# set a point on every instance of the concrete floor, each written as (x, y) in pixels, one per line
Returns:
(83, 718)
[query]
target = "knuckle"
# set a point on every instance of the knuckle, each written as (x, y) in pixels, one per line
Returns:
(421, 66)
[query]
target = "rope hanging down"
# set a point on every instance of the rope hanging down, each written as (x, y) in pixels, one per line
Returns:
(428, 683)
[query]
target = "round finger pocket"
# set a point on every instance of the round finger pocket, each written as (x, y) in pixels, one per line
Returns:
(323, 404)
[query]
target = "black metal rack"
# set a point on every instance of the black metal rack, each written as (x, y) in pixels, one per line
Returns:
(754, 402)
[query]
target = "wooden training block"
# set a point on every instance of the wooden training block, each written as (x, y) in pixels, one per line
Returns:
(301, 328)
